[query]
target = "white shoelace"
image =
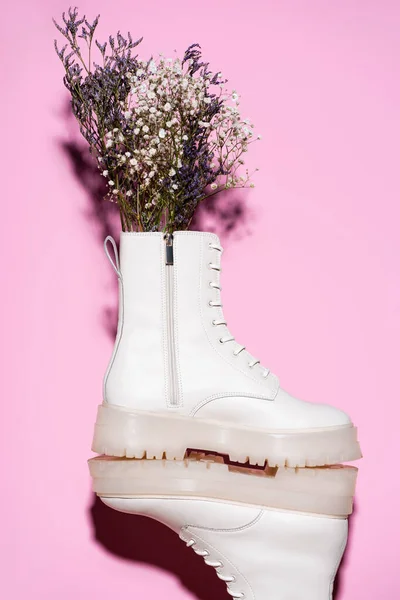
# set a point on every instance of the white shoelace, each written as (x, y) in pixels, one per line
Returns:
(217, 564)
(217, 322)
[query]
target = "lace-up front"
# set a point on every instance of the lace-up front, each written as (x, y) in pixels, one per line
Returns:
(217, 564)
(222, 323)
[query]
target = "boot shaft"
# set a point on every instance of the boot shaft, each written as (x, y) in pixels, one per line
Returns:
(171, 325)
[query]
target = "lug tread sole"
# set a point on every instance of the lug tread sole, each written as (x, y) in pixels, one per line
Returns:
(138, 434)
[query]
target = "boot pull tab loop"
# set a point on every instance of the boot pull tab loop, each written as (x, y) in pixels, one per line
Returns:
(113, 260)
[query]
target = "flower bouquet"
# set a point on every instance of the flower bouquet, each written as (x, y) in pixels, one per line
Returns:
(166, 133)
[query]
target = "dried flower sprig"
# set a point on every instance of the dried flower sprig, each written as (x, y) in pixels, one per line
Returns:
(165, 132)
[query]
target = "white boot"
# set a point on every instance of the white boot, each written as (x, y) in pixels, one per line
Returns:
(177, 379)
(259, 552)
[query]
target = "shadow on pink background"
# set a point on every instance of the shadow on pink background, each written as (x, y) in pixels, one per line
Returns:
(310, 279)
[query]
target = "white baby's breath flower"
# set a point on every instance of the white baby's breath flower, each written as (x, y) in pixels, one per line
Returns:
(127, 154)
(133, 162)
(252, 185)
(162, 133)
(152, 110)
(105, 173)
(151, 95)
(139, 72)
(214, 186)
(145, 128)
(109, 143)
(136, 131)
(167, 107)
(111, 182)
(152, 151)
(115, 130)
(172, 172)
(127, 114)
(129, 193)
(185, 137)
(115, 192)
(174, 186)
(109, 134)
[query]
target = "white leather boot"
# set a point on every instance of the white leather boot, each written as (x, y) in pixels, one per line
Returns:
(259, 552)
(177, 378)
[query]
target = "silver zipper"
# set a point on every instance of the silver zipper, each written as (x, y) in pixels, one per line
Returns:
(169, 288)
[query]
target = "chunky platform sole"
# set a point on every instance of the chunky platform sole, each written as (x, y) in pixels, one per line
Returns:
(139, 434)
(327, 491)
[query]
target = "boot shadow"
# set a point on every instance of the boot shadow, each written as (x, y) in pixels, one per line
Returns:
(144, 540)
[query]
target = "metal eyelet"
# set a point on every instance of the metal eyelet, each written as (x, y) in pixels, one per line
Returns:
(213, 323)
(210, 284)
(210, 304)
(221, 341)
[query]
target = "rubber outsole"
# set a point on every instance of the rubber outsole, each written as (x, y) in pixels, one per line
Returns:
(326, 490)
(138, 434)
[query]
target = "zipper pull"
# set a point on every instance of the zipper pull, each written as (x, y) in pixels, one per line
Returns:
(169, 249)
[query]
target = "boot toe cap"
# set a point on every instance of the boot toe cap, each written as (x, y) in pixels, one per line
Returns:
(310, 415)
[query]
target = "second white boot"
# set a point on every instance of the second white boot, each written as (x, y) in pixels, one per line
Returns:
(259, 552)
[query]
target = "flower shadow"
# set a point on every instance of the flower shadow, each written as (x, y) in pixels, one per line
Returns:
(225, 214)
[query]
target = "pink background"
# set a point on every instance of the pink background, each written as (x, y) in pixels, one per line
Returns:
(313, 288)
